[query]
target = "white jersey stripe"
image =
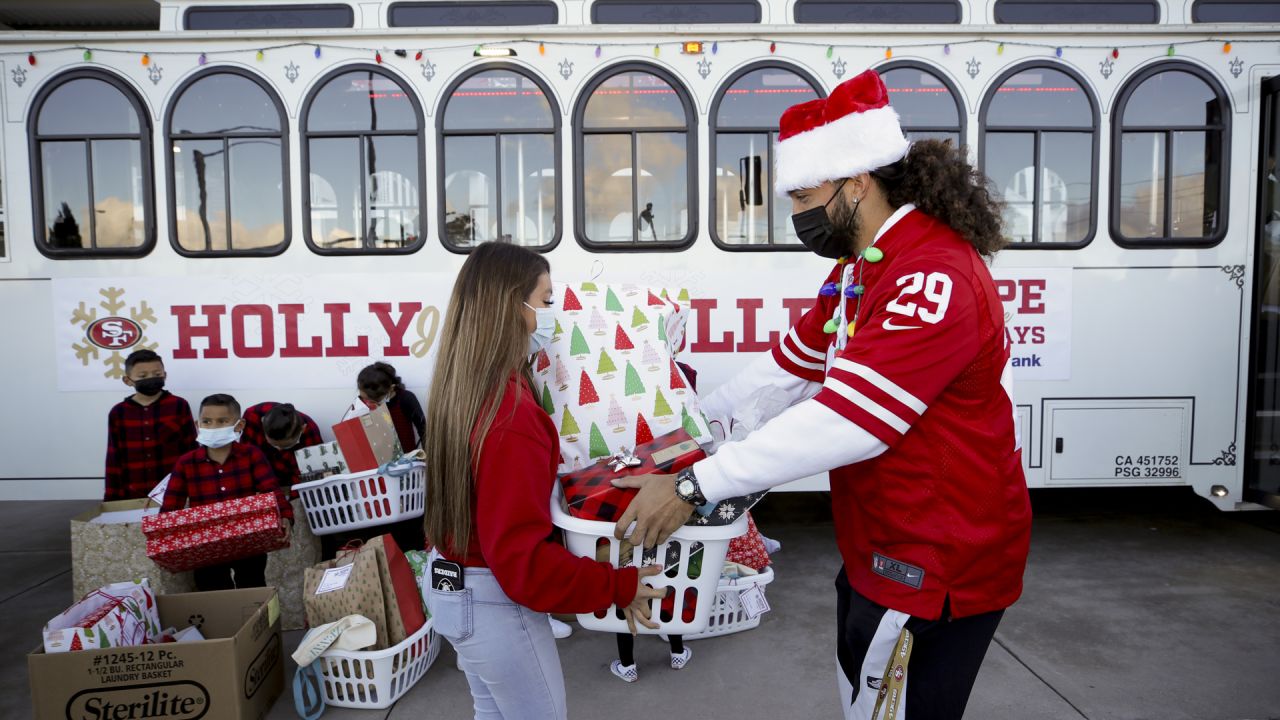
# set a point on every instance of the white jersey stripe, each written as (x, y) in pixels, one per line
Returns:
(805, 348)
(802, 363)
(882, 382)
(875, 409)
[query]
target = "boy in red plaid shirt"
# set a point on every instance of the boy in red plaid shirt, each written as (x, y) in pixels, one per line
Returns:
(224, 469)
(277, 429)
(146, 432)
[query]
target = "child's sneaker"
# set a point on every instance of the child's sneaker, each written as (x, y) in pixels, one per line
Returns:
(679, 660)
(626, 673)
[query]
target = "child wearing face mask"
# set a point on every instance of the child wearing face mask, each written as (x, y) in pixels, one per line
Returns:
(278, 429)
(223, 468)
(378, 384)
(146, 432)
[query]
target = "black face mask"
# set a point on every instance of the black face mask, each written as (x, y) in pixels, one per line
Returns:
(150, 386)
(814, 228)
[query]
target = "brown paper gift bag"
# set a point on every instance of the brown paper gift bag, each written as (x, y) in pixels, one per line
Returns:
(102, 554)
(359, 594)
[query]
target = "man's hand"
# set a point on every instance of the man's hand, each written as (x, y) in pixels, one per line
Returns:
(638, 610)
(657, 511)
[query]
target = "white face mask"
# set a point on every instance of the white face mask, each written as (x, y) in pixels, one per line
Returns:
(217, 437)
(540, 338)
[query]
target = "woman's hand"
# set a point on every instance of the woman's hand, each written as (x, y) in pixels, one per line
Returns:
(638, 610)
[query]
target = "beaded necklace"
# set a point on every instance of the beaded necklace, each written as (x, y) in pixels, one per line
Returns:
(840, 324)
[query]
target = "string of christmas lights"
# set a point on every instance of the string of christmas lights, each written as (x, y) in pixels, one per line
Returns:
(202, 57)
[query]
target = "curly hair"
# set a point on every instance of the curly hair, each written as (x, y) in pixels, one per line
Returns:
(937, 178)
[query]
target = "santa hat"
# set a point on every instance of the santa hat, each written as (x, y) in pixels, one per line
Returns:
(851, 132)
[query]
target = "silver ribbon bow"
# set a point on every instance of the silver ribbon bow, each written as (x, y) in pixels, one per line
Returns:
(624, 458)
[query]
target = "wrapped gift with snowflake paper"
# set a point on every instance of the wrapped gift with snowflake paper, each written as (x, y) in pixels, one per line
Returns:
(609, 378)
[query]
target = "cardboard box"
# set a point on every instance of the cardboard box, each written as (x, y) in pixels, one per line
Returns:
(368, 441)
(235, 674)
(106, 554)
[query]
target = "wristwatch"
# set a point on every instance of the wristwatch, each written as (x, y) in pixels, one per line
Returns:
(687, 488)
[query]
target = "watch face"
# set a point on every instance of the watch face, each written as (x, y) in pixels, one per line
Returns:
(685, 487)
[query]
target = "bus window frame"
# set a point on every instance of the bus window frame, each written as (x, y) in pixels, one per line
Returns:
(713, 130)
(1052, 19)
(692, 158)
(497, 133)
(393, 8)
(796, 8)
(1130, 85)
(1096, 133)
(145, 136)
(170, 176)
(304, 137)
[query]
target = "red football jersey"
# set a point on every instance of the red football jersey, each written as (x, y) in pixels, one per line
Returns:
(944, 512)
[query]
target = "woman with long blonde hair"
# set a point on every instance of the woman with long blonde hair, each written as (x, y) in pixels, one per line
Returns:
(492, 454)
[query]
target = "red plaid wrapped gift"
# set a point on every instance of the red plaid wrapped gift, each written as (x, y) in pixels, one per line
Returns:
(215, 533)
(591, 496)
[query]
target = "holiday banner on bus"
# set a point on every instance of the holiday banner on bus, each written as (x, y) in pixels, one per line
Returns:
(317, 331)
(1037, 305)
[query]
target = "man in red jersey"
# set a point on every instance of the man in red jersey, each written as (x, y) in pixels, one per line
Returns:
(898, 382)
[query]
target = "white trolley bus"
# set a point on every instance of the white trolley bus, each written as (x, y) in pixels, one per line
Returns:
(273, 194)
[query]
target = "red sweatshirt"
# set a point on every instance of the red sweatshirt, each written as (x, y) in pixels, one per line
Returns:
(511, 518)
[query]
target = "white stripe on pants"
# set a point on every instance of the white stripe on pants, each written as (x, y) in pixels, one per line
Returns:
(873, 665)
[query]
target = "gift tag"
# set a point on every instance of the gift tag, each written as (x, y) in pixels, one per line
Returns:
(753, 602)
(334, 579)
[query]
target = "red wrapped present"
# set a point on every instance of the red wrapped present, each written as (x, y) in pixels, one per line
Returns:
(215, 533)
(591, 496)
(748, 549)
(368, 441)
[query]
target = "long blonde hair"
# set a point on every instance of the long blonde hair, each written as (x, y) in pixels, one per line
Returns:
(484, 340)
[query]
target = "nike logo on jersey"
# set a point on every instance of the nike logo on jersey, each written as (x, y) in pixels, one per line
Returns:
(889, 325)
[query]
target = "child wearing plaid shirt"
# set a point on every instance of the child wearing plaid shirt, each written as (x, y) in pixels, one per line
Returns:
(224, 469)
(146, 432)
(277, 429)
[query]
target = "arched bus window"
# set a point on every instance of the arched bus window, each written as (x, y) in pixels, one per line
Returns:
(637, 154)
(928, 104)
(1170, 133)
(746, 215)
(362, 154)
(91, 168)
(1039, 146)
(499, 155)
(228, 166)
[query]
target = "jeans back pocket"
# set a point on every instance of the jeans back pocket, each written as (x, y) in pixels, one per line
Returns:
(452, 613)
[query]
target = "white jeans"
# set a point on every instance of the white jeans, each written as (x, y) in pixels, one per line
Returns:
(506, 650)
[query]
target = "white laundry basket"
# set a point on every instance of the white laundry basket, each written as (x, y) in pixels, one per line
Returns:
(583, 537)
(374, 679)
(728, 615)
(365, 499)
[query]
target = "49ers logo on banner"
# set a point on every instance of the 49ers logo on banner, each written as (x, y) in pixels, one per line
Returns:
(106, 339)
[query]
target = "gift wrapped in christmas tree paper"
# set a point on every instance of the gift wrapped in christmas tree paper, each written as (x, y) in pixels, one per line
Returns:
(609, 377)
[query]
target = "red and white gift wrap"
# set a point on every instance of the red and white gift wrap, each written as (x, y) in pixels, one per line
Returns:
(215, 533)
(116, 615)
(748, 549)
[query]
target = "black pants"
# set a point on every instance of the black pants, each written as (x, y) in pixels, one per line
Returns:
(249, 572)
(627, 647)
(944, 663)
